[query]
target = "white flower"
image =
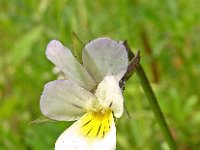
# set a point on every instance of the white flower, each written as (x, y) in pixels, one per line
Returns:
(91, 95)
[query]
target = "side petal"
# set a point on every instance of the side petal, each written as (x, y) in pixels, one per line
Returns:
(104, 56)
(65, 100)
(65, 61)
(109, 95)
(72, 139)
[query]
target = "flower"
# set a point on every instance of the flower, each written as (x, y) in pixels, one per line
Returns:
(91, 94)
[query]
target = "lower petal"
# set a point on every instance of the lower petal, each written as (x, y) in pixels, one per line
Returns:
(74, 138)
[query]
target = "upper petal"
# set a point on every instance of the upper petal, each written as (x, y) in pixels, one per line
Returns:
(104, 56)
(65, 61)
(109, 95)
(65, 100)
(72, 139)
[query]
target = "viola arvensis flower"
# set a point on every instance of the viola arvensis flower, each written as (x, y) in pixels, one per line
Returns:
(91, 94)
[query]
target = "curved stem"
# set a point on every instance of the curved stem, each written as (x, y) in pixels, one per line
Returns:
(155, 107)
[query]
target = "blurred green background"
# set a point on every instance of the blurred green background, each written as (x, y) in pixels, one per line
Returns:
(167, 33)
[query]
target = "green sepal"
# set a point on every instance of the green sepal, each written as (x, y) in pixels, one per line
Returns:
(77, 47)
(41, 119)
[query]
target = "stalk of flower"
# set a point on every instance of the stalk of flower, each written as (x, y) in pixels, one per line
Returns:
(90, 94)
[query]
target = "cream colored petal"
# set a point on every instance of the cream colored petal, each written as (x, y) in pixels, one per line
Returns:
(65, 61)
(108, 143)
(71, 139)
(65, 100)
(104, 56)
(109, 95)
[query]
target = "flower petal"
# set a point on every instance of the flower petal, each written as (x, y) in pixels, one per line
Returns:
(104, 56)
(109, 95)
(65, 100)
(65, 61)
(72, 139)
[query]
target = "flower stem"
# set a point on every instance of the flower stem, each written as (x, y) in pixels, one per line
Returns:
(155, 107)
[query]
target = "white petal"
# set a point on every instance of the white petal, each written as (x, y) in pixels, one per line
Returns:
(109, 95)
(104, 56)
(108, 143)
(65, 100)
(65, 61)
(71, 139)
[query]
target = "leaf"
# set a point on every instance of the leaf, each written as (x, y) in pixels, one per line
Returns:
(77, 47)
(41, 119)
(22, 47)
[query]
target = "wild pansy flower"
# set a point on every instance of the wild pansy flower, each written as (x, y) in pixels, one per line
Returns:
(90, 94)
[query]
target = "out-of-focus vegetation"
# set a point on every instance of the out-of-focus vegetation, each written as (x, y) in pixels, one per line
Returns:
(167, 33)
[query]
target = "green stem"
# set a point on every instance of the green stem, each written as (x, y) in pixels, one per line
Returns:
(155, 107)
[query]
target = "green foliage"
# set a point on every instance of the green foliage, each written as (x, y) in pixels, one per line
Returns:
(21, 48)
(165, 32)
(42, 119)
(77, 47)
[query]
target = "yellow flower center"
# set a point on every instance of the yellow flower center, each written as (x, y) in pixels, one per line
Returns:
(96, 124)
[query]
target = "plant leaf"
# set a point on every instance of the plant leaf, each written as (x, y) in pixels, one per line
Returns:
(22, 47)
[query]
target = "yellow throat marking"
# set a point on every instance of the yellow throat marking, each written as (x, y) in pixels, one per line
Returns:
(96, 124)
